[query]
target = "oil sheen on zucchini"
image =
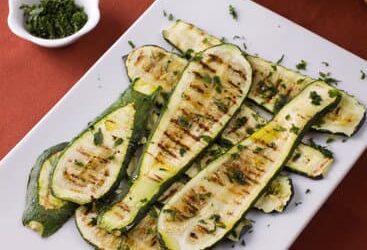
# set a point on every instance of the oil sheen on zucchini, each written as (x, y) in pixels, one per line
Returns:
(273, 85)
(211, 89)
(211, 203)
(306, 160)
(143, 236)
(45, 213)
(94, 162)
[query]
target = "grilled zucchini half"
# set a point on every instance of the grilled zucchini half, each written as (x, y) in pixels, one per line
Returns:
(211, 203)
(141, 237)
(273, 85)
(277, 195)
(45, 213)
(143, 63)
(211, 89)
(94, 162)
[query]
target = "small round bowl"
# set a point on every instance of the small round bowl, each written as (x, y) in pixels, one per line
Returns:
(16, 23)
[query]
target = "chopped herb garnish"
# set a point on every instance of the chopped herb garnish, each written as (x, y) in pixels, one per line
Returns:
(244, 45)
(217, 84)
(78, 163)
(240, 147)
(279, 128)
(197, 57)
(98, 137)
(237, 176)
(182, 151)
(280, 60)
(315, 98)
(206, 138)
(164, 13)
(221, 105)
(207, 78)
(363, 75)
(333, 93)
(188, 54)
(298, 203)
(257, 150)
(144, 200)
(287, 117)
(325, 63)
(280, 102)
(326, 77)
(111, 157)
(183, 121)
(52, 19)
(235, 156)
(170, 17)
(233, 12)
(308, 191)
(93, 221)
(171, 212)
(294, 129)
(118, 141)
(250, 130)
(330, 140)
(205, 40)
(274, 67)
(132, 45)
(302, 65)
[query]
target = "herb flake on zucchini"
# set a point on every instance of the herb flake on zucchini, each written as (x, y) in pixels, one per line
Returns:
(93, 164)
(44, 212)
(211, 203)
(273, 85)
(211, 89)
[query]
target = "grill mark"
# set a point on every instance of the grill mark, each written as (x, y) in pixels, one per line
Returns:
(73, 179)
(197, 74)
(155, 178)
(155, 158)
(82, 152)
(206, 66)
(140, 56)
(173, 139)
(235, 86)
(243, 76)
(202, 229)
(123, 206)
(215, 58)
(197, 89)
(166, 150)
(251, 179)
(185, 131)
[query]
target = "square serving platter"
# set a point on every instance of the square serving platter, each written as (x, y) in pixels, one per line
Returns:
(264, 33)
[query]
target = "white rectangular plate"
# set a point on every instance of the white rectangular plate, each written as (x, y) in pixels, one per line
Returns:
(265, 33)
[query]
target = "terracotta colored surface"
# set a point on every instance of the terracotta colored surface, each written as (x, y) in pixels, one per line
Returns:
(33, 79)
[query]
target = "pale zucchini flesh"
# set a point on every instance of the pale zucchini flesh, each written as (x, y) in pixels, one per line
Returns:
(214, 86)
(93, 164)
(211, 203)
(273, 85)
(45, 213)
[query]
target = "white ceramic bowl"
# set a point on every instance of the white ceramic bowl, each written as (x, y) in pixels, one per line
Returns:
(16, 23)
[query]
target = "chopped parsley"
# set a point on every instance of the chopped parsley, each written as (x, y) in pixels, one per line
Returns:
(315, 98)
(118, 141)
(302, 65)
(170, 17)
(98, 137)
(250, 130)
(207, 78)
(217, 84)
(326, 77)
(280, 60)
(308, 191)
(206, 138)
(188, 54)
(182, 151)
(326, 64)
(183, 121)
(279, 128)
(197, 57)
(240, 147)
(333, 93)
(257, 150)
(330, 140)
(294, 129)
(287, 117)
(78, 163)
(132, 45)
(221, 105)
(233, 12)
(235, 156)
(363, 75)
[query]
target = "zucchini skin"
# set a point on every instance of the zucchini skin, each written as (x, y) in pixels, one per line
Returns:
(50, 219)
(168, 182)
(332, 121)
(179, 198)
(142, 104)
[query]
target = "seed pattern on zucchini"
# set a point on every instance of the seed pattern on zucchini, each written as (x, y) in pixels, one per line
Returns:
(273, 85)
(307, 160)
(211, 89)
(92, 165)
(45, 213)
(211, 203)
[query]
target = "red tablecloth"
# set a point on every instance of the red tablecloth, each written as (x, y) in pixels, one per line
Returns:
(33, 79)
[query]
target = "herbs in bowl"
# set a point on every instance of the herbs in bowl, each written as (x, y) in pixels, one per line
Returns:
(54, 19)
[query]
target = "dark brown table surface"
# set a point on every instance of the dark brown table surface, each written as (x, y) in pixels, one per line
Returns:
(33, 79)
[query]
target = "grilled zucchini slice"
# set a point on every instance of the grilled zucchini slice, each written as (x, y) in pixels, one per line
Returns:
(306, 160)
(211, 203)
(141, 237)
(93, 164)
(211, 89)
(277, 195)
(45, 213)
(273, 85)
